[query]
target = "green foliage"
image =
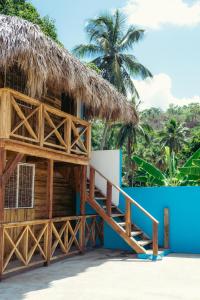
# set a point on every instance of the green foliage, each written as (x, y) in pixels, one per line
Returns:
(173, 135)
(157, 124)
(25, 10)
(109, 44)
(93, 67)
(189, 173)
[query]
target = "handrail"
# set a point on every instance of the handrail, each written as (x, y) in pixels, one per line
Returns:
(128, 197)
(128, 201)
(43, 221)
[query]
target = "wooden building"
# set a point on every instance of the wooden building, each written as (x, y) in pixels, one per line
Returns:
(47, 99)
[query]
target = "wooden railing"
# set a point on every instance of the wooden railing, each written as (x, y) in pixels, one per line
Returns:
(129, 202)
(30, 243)
(28, 120)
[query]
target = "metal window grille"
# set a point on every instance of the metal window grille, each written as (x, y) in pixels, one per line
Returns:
(19, 192)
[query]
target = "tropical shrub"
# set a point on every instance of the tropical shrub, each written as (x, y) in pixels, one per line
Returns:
(188, 174)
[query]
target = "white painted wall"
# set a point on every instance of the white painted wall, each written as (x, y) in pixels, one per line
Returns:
(108, 163)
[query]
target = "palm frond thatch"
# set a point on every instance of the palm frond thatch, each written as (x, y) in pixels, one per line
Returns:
(47, 66)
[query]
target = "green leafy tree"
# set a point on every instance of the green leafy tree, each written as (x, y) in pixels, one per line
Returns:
(188, 174)
(25, 10)
(173, 136)
(128, 135)
(109, 45)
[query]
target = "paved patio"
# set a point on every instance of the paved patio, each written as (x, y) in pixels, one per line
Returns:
(104, 274)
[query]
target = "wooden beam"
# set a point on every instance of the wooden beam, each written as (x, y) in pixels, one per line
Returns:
(109, 198)
(88, 140)
(155, 239)
(5, 113)
(92, 183)
(82, 234)
(83, 192)
(2, 185)
(166, 228)
(128, 217)
(33, 150)
(50, 172)
(11, 166)
(2, 191)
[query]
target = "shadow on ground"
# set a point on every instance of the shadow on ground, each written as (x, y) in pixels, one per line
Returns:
(18, 286)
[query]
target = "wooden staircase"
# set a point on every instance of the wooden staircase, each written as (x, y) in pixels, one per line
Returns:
(120, 222)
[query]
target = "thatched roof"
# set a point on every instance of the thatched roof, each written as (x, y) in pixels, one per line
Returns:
(48, 66)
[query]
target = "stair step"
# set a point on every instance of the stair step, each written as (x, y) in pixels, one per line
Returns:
(136, 233)
(117, 215)
(112, 206)
(122, 224)
(144, 242)
(100, 198)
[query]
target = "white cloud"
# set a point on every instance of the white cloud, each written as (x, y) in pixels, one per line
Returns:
(155, 13)
(157, 92)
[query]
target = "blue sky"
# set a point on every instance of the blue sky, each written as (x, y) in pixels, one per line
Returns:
(170, 49)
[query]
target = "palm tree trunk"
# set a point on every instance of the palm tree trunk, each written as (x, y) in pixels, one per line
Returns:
(105, 136)
(129, 153)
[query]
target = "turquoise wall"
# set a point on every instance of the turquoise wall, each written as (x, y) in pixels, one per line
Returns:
(184, 216)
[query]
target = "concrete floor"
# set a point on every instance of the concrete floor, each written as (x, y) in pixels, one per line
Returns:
(104, 274)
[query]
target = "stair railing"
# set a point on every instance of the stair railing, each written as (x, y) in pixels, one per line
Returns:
(129, 201)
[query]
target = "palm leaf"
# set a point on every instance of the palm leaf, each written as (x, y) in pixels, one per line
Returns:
(190, 171)
(150, 169)
(196, 162)
(196, 155)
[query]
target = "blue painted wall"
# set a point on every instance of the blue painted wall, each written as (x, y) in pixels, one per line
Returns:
(184, 211)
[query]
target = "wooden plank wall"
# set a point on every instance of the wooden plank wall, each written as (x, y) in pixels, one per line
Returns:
(64, 194)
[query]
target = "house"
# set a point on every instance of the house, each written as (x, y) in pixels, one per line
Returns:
(47, 99)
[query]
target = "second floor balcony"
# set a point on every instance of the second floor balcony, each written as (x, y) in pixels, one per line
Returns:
(29, 126)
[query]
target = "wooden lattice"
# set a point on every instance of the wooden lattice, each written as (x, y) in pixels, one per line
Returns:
(45, 126)
(28, 243)
(31, 241)
(65, 236)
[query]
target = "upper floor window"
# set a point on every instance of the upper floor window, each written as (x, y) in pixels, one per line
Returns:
(19, 191)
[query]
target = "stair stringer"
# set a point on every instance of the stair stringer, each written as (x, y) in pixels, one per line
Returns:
(109, 220)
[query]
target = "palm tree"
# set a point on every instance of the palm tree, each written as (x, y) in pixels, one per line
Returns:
(129, 134)
(109, 43)
(174, 136)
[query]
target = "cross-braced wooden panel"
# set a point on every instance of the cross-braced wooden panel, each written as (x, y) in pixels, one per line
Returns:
(65, 237)
(79, 138)
(25, 120)
(56, 133)
(24, 245)
(93, 231)
(30, 121)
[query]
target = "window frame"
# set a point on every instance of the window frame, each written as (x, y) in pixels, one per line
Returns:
(17, 188)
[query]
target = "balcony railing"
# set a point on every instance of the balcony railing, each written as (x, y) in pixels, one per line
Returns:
(30, 243)
(28, 120)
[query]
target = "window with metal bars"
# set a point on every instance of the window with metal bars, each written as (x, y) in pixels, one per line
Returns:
(19, 191)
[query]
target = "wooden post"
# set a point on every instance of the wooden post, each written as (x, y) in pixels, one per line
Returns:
(5, 113)
(128, 217)
(41, 125)
(83, 192)
(155, 238)
(2, 190)
(68, 134)
(82, 234)
(50, 172)
(166, 228)
(88, 140)
(109, 199)
(92, 183)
